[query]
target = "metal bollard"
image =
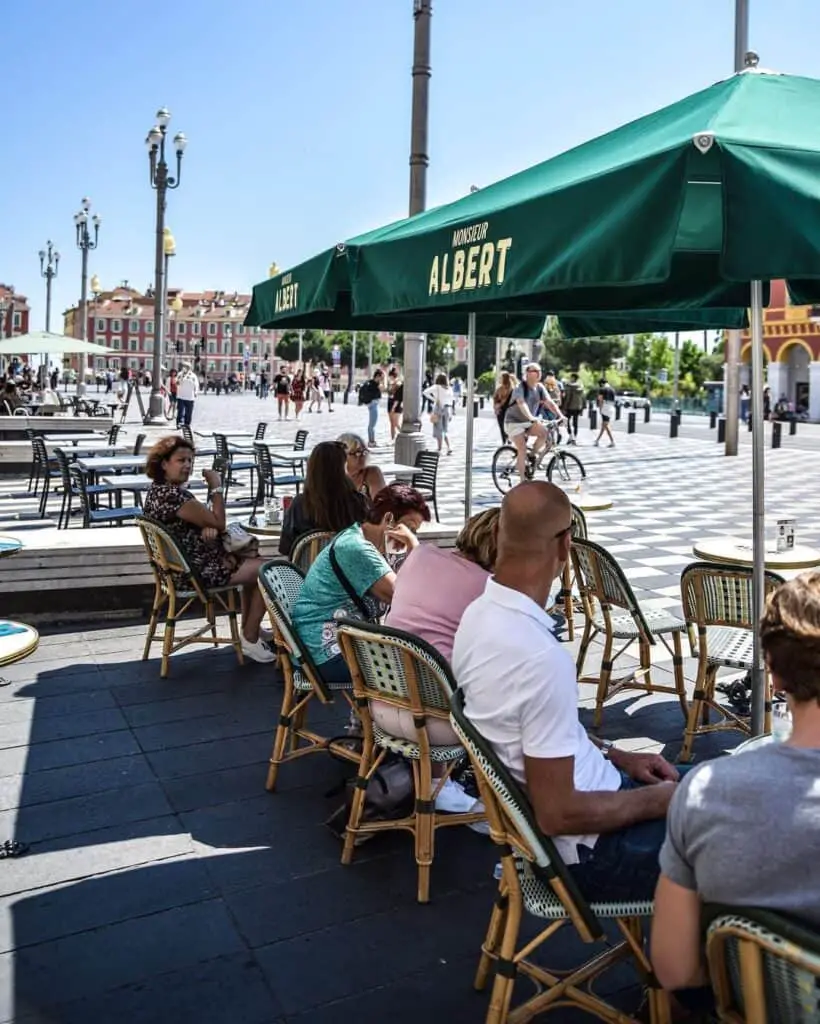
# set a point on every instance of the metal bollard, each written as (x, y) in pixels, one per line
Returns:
(481, 401)
(776, 429)
(463, 401)
(593, 419)
(646, 412)
(475, 408)
(630, 423)
(617, 410)
(674, 423)
(712, 420)
(749, 423)
(721, 437)
(792, 428)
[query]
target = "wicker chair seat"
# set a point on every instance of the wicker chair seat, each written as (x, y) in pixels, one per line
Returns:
(411, 750)
(624, 626)
(540, 899)
(729, 647)
(302, 683)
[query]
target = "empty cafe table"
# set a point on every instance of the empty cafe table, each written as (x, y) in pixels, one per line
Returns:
(732, 551)
(89, 435)
(17, 641)
(99, 464)
(9, 545)
(140, 482)
(588, 502)
(394, 468)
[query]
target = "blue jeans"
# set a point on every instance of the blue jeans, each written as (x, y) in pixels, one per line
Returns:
(623, 865)
(372, 420)
(185, 410)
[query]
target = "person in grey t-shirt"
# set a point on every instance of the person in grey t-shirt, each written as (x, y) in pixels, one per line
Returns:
(745, 830)
(522, 421)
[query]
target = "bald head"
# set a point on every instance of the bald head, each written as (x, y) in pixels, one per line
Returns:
(532, 514)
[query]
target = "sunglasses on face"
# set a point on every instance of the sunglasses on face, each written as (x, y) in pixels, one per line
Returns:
(357, 453)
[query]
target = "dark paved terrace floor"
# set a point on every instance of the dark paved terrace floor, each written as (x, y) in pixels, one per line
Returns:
(164, 884)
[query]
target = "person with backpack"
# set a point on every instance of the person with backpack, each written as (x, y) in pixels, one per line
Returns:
(573, 406)
(502, 399)
(370, 394)
(441, 396)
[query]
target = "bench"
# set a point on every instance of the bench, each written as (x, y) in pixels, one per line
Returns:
(67, 575)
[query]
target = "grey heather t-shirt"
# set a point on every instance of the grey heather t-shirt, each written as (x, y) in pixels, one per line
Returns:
(533, 398)
(745, 830)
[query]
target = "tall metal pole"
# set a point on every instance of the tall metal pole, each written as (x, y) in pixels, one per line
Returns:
(676, 373)
(732, 373)
(370, 356)
(49, 264)
(758, 509)
(161, 181)
(468, 462)
(410, 440)
(84, 243)
(301, 344)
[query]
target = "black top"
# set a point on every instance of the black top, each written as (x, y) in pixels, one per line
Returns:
(294, 525)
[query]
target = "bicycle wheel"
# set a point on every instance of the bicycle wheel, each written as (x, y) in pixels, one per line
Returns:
(566, 468)
(504, 471)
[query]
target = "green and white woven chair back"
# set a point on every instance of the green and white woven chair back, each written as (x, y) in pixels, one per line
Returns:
(790, 970)
(281, 585)
(306, 549)
(602, 577)
(579, 523)
(721, 595)
(387, 657)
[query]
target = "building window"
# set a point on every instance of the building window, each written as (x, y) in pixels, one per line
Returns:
(255, 330)
(134, 326)
(240, 328)
(255, 348)
(132, 344)
(212, 328)
(101, 339)
(254, 367)
(17, 320)
(181, 330)
(226, 367)
(133, 364)
(115, 364)
(239, 364)
(116, 326)
(115, 343)
(149, 326)
(226, 348)
(149, 364)
(196, 329)
(211, 348)
(100, 323)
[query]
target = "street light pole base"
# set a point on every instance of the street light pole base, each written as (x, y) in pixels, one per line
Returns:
(409, 442)
(155, 417)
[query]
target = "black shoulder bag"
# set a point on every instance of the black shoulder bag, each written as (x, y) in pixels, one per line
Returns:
(346, 584)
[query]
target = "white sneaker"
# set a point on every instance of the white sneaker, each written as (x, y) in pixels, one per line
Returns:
(261, 651)
(453, 798)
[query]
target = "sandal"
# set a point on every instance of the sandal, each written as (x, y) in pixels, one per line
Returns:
(12, 848)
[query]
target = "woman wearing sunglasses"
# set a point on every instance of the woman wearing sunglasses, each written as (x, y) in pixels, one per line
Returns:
(367, 480)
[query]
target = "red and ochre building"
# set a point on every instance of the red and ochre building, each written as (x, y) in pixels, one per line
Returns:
(791, 351)
(14, 312)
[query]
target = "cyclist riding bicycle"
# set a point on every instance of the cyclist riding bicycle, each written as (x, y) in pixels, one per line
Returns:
(522, 421)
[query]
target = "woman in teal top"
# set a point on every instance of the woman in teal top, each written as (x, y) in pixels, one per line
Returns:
(395, 515)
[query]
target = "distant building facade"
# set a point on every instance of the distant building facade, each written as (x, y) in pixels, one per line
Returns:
(14, 314)
(207, 332)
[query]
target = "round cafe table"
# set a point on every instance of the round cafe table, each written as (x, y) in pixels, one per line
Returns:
(17, 641)
(9, 545)
(756, 741)
(588, 502)
(731, 551)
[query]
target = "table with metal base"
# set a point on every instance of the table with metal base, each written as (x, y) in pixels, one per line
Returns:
(732, 551)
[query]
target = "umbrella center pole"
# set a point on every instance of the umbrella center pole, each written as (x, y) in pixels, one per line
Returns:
(758, 509)
(410, 440)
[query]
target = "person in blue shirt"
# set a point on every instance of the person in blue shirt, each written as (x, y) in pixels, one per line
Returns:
(362, 554)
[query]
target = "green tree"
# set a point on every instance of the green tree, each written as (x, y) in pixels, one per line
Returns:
(690, 363)
(597, 354)
(661, 356)
(637, 359)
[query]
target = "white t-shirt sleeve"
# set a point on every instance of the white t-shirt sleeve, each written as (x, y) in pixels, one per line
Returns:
(549, 712)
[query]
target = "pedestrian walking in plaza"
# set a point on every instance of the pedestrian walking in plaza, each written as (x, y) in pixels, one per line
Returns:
(172, 390)
(501, 400)
(326, 385)
(606, 408)
(441, 398)
(297, 392)
(555, 390)
(745, 402)
(281, 385)
(395, 401)
(264, 385)
(573, 406)
(187, 391)
(370, 394)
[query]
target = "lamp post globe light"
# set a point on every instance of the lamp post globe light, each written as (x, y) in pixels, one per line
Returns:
(448, 355)
(85, 243)
(161, 181)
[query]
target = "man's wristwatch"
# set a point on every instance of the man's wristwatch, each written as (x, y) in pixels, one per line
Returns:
(216, 490)
(606, 747)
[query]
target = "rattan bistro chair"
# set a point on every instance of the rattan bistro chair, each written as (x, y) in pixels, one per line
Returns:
(281, 582)
(535, 879)
(604, 587)
(579, 531)
(402, 670)
(765, 968)
(717, 602)
(177, 588)
(306, 550)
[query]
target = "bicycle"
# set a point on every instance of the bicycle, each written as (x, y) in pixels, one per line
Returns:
(565, 466)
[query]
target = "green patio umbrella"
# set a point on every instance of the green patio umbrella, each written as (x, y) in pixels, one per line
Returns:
(694, 207)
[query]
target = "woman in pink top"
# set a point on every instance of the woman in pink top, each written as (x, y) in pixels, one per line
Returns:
(432, 591)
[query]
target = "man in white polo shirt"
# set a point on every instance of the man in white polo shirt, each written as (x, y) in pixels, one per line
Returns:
(604, 807)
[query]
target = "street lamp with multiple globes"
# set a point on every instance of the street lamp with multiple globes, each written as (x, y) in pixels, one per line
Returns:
(85, 243)
(49, 264)
(161, 181)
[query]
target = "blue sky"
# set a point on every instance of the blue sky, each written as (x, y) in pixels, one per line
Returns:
(297, 114)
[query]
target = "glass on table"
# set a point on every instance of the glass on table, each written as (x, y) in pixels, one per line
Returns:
(781, 722)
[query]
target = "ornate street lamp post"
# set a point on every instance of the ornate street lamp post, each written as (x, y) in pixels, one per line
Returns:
(49, 263)
(85, 243)
(161, 181)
